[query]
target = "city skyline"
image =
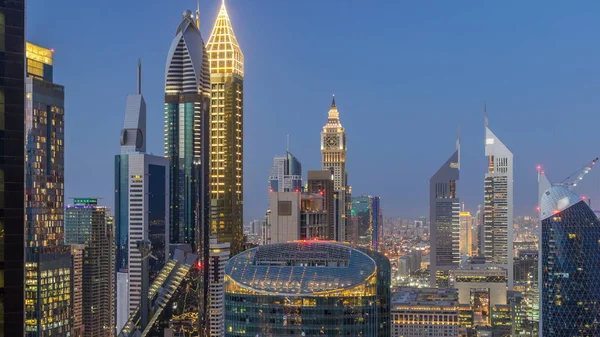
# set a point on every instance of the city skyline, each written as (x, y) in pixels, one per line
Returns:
(450, 82)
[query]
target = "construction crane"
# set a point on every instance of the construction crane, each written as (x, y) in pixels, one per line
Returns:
(571, 182)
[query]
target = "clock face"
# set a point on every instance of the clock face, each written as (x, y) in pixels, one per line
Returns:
(331, 141)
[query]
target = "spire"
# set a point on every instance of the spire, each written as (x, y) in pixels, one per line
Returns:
(287, 149)
(198, 15)
(223, 50)
(139, 77)
(333, 102)
(485, 118)
(458, 145)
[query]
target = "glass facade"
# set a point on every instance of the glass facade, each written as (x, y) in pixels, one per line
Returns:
(570, 271)
(156, 217)
(307, 288)
(12, 143)
(285, 174)
(121, 211)
(366, 211)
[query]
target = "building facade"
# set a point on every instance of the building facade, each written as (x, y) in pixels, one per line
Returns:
(48, 260)
(321, 182)
(90, 225)
(466, 239)
(187, 103)
(141, 206)
(285, 174)
(498, 204)
(77, 294)
(444, 211)
(569, 265)
(219, 255)
(284, 218)
(307, 288)
(226, 133)
(369, 218)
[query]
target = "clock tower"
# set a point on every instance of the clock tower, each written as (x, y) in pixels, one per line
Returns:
(333, 148)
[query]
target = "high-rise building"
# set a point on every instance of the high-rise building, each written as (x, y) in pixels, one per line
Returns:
(333, 158)
(284, 218)
(12, 156)
(309, 288)
(321, 182)
(444, 210)
(570, 273)
(77, 294)
(498, 204)
(88, 224)
(286, 174)
(219, 255)
(141, 206)
(367, 211)
(226, 133)
(48, 259)
(466, 238)
(187, 100)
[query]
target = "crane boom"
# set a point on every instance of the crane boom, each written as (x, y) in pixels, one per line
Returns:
(572, 183)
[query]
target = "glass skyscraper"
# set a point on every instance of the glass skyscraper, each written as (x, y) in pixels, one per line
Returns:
(569, 265)
(12, 166)
(226, 133)
(285, 174)
(366, 210)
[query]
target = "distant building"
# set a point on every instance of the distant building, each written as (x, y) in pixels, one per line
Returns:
(77, 294)
(367, 211)
(219, 255)
(286, 174)
(307, 288)
(284, 219)
(48, 306)
(313, 217)
(466, 238)
(444, 208)
(88, 224)
(424, 312)
(321, 182)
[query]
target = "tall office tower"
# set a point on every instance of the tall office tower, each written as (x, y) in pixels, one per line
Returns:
(444, 210)
(285, 174)
(569, 265)
(369, 218)
(90, 225)
(333, 158)
(77, 294)
(187, 98)
(498, 204)
(48, 260)
(12, 160)
(219, 255)
(480, 231)
(465, 221)
(226, 133)
(141, 206)
(321, 182)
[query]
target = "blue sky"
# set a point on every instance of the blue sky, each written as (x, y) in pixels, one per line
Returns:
(405, 74)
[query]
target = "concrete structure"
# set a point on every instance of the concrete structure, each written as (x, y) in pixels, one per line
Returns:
(285, 175)
(77, 294)
(313, 217)
(321, 182)
(48, 260)
(425, 312)
(444, 208)
(141, 206)
(307, 288)
(284, 219)
(90, 225)
(498, 204)
(219, 255)
(226, 133)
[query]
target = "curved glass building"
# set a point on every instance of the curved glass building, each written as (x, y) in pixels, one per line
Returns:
(307, 288)
(570, 265)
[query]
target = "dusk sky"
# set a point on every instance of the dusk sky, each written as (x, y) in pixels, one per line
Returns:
(405, 74)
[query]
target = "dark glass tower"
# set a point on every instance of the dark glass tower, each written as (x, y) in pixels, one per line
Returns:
(570, 265)
(12, 144)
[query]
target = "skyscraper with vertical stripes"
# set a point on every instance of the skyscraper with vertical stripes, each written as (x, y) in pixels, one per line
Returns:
(226, 133)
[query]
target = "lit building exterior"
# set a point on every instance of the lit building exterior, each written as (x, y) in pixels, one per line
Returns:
(444, 210)
(226, 133)
(219, 255)
(498, 204)
(321, 182)
(12, 143)
(88, 224)
(141, 206)
(286, 174)
(570, 273)
(313, 217)
(466, 238)
(369, 217)
(187, 101)
(307, 288)
(284, 218)
(333, 159)
(77, 295)
(48, 261)
(425, 312)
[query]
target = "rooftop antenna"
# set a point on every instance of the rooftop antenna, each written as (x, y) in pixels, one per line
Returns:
(198, 15)
(287, 147)
(485, 118)
(458, 145)
(139, 76)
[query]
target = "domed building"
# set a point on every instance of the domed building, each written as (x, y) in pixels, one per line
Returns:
(307, 288)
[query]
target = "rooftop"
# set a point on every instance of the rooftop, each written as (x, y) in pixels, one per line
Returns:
(425, 296)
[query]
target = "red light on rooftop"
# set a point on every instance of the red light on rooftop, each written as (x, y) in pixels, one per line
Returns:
(538, 208)
(199, 265)
(539, 167)
(52, 50)
(556, 212)
(543, 172)
(582, 197)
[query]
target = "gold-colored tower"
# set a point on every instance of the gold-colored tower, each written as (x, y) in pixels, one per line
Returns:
(226, 133)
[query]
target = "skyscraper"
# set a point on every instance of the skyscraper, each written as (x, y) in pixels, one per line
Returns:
(569, 265)
(321, 182)
(498, 204)
(219, 255)
(226, 133)
(285, 174)
(444, 208)
(187, 99)
(141, 206)
(466, 238)
(333, 158)
(369, 219)
(48, 260)
(12, 166)
(88, 224)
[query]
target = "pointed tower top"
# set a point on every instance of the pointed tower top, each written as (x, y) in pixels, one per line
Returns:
(333, 102)
(198, 15)
(139, 77)
(223, 50)
(485, 118)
